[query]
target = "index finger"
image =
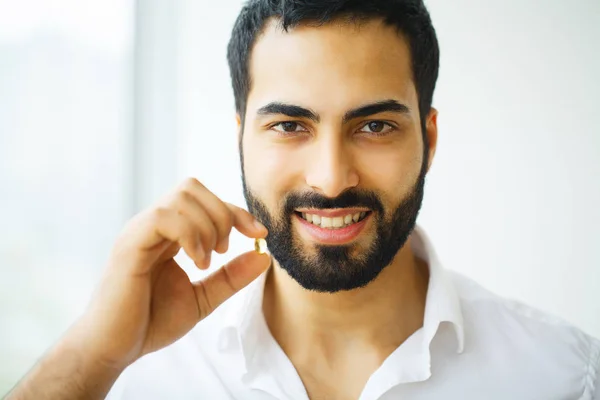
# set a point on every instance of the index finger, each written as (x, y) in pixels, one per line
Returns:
(246, 223)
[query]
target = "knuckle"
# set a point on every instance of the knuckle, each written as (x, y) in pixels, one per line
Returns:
(224, 220)
(229, 281)
(159, 213)
(190, 183)
(189, 229)
(204, 306)
(188, 243)
(202, 232)
(211, 235)
(184, 197)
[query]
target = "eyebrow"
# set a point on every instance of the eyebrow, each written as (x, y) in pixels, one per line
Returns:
(294, 111)
(289, 110)
(376, 108)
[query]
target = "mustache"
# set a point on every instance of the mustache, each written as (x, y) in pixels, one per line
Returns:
(349, 198)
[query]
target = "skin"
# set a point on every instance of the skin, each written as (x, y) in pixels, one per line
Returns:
(330, 70)
(143, 278)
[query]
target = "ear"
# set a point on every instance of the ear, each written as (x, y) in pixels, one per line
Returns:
(431, 130)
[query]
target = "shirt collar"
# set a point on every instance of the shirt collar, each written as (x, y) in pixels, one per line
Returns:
(244, 324)
(243, 321)
(442, 303)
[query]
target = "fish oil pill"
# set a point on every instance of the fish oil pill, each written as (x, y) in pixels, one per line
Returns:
(260, 246)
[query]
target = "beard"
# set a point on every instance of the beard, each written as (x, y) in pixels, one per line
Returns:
(341, 267)
(337, 268)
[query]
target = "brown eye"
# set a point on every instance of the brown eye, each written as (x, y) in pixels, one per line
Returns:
(376, 126)
(289, 126)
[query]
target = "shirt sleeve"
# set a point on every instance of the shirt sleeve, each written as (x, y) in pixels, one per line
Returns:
(593, 376)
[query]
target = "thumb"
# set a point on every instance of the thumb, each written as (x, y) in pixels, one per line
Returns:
(219, 286)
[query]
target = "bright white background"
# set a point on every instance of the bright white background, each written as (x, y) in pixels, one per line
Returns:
(99, 116)
(65, 163)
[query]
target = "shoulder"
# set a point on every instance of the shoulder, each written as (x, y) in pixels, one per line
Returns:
(542, 344)
(474, 297)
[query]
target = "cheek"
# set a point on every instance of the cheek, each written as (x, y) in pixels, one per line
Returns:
(392, 169)
(271, 171)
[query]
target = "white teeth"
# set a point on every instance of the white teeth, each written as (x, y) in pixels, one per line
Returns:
(333, 222)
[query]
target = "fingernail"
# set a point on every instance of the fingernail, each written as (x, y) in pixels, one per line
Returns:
(259, 226)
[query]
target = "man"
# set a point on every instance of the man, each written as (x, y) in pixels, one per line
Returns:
(337, 134)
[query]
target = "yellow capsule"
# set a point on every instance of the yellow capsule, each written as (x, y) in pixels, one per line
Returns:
(260, 246)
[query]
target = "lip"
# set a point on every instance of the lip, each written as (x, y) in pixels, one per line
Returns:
(339, 212)
(337, 236)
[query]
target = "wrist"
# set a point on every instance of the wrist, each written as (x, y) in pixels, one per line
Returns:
(91, 367)
(85, 348)
(67, 371)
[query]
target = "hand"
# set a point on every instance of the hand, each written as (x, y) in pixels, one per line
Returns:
(145, 301)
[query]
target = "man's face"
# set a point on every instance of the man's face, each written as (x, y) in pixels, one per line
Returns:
(333, 160)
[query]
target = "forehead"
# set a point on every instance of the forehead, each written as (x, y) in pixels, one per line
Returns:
(332, 67)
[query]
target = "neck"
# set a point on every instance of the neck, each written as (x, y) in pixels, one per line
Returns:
(375, 319)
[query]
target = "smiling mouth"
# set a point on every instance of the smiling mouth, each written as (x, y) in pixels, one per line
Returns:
(339, 222)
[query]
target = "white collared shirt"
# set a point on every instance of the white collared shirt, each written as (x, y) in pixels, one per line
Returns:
(473, 345)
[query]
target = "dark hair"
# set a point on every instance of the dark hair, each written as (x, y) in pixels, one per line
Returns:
(410, 17)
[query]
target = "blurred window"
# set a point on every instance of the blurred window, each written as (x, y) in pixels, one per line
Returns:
(65, 163)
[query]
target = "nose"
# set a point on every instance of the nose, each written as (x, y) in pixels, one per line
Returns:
(330, 169)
